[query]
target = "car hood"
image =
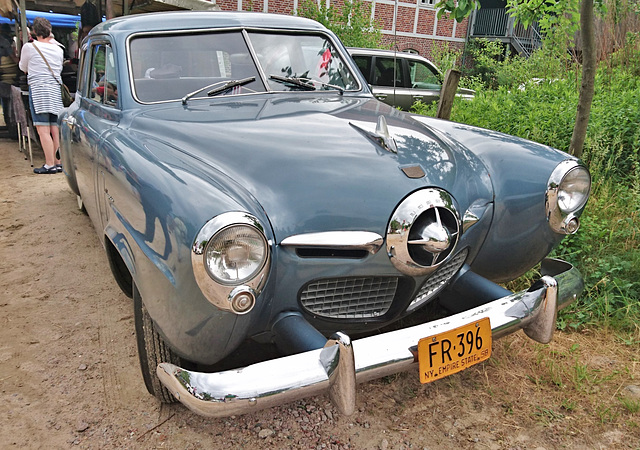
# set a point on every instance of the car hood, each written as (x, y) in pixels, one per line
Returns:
(312, 164)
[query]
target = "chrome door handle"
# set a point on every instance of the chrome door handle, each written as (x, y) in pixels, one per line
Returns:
(70, 121)
(381, 96)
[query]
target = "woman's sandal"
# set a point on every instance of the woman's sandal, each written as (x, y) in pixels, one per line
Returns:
(44, 170)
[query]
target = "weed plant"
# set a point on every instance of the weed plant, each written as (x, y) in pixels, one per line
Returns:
(607, 247)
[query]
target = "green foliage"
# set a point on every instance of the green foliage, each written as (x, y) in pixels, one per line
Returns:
(493, 68)
(487, 57)
(445, 57)
(352, 22)
(457, 10)
(558, 19)
(606, 249)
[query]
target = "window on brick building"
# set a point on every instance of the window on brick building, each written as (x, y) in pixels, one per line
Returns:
(427, 3)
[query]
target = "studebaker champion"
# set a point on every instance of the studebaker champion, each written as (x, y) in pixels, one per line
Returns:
(248, 186)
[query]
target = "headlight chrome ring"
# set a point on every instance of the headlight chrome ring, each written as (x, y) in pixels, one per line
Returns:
(231, 258)
(567, 194)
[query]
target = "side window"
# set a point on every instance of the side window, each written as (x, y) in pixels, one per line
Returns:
(384, 71)
(110, 91)
(103, 84)
(364, 64)
(423, 76)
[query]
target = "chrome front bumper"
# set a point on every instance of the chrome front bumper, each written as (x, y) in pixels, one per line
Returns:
(341, 364)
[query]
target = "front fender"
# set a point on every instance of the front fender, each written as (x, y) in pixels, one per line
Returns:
(519, 170)
(158, 198)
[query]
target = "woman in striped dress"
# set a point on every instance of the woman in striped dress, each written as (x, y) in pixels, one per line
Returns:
(45, 100)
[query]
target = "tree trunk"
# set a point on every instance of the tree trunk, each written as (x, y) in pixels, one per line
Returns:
(109, 8)
(587, 34)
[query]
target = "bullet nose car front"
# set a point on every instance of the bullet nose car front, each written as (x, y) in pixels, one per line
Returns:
(248, 186)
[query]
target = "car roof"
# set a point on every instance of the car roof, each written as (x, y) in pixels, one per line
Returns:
(388, 53)
(186, 20)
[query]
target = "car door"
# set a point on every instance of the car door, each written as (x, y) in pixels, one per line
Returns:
(425, 81)
(390, 82)
(91, 123)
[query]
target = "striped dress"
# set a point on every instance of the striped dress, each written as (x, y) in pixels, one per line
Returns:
(44, 87)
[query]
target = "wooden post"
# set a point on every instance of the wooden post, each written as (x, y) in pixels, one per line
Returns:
(448, 93)
(109, 8)
(23, 25)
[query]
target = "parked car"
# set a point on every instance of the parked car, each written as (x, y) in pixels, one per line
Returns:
(400, 78)
(247, 186)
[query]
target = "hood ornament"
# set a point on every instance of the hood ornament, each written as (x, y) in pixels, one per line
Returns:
(389, 143)
(381, 136)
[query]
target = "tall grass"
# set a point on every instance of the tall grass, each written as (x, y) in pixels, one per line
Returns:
(607, 247)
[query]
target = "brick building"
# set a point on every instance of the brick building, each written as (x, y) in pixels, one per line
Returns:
(411, 25)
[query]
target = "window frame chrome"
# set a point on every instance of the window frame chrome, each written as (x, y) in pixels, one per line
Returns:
(346, 57)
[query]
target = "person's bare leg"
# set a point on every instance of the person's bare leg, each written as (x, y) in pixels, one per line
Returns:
(44, 131)
(55, 137)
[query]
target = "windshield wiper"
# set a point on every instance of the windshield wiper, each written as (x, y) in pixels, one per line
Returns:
(227, 85)
(299, 82)
(332, 86)
(306, 83)
(230, 84)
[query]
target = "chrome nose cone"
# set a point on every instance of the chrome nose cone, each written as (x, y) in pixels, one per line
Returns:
(434, 238)
(423, 232)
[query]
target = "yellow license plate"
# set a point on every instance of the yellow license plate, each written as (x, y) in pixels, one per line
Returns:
(452, 351)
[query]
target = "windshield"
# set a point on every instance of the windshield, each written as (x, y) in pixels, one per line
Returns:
(168, 67)
(310, 58)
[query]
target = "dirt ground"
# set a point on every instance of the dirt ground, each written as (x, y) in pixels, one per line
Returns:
(69, 374)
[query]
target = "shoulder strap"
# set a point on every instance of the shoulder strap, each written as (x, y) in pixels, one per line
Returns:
(46, 62)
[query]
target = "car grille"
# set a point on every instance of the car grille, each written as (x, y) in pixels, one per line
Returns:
(350, 298)
(438, 280)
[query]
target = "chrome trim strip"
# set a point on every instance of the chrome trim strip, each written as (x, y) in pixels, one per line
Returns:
(474, 213)
(286, 379)
(339, 240)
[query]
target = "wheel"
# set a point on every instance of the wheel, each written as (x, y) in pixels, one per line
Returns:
(152, 350)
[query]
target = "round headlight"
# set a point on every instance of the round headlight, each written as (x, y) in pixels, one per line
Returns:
(573, 190)
(236, 254)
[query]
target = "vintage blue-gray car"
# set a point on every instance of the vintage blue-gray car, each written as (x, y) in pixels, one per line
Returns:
(248, 187)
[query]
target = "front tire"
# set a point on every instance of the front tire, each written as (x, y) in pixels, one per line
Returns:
(152, 350)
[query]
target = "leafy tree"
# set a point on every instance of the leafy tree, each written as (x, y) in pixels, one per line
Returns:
(553, 15)
(352, 23)
(458, 10)
(562, 15)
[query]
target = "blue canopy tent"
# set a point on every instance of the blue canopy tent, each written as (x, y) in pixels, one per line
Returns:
(56, 20)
